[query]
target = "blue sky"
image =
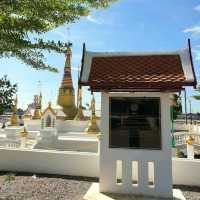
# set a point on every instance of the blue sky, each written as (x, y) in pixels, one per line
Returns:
(128, 25)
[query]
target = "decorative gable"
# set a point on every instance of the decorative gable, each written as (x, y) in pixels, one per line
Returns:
(48, 118)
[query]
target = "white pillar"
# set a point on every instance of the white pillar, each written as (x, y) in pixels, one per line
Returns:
(190, 151)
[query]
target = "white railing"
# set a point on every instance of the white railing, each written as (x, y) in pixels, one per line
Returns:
(13, 145)
(194, 128)
(181, 138)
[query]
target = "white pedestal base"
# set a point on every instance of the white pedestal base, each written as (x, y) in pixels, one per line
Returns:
(94, 194)
(48, 133)
(190, 151)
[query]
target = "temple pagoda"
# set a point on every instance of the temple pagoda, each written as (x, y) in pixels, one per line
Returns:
(38, 106)
(66, 96)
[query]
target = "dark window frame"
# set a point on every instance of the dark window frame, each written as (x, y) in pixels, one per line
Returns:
(135, 148)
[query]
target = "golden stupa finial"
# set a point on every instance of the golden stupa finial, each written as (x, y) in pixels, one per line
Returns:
(15, 104)
(68, 55)
(38, 106)
(190, 140)
(69, 51)
(66, 96)
(24, 132)
(93, 104)
(92, 127)
(13, 120)
(80, 115)
(68, 44)
(49, 104)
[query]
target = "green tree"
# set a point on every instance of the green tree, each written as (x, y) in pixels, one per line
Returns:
(7, 91)
(23, 20)
(179, 153)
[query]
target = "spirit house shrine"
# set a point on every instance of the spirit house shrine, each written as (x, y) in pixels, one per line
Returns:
(135, 150)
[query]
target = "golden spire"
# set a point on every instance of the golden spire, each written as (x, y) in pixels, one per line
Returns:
(92, 127)
(13, 120)
(38, 105)
(93, 105)
(67, 79)
(190, 140)
(49, 104)
(41, 95)
(24, 132)
(68, 56)
(80, 115)
(66, 97)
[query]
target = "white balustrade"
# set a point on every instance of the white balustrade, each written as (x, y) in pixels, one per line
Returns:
(181, 138)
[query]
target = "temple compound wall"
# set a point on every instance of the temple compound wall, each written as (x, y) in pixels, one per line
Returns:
(184, 171)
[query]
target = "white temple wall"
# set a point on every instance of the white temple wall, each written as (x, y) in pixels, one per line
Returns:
(50, 162)
(184, 171)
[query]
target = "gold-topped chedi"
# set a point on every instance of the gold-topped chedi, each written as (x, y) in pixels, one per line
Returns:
(92, 127)
(66, 96)
(38, 106)
(24, 133)
(190, 140)
(80, 115)
(13, 120)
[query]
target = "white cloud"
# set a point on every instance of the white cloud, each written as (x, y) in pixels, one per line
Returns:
(197, 7)
(62, 35)
(197, 57)
(197, 54)
(76, 69)
(194, 29)
(92, 19)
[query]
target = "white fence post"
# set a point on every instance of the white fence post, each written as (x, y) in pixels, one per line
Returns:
(190, 147)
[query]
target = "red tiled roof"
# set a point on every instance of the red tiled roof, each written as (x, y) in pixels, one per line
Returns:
(138, 72)
(114, 71)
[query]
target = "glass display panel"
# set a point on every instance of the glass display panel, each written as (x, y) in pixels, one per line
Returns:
(135, 123)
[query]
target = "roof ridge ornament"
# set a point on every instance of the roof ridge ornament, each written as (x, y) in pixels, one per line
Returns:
(68, 55)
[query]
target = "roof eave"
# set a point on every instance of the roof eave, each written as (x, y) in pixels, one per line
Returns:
(135, 90)
(108, 88)
(82, 64)
(192, 64)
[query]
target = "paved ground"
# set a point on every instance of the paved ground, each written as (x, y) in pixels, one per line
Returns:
(190, 193)
(43, 187)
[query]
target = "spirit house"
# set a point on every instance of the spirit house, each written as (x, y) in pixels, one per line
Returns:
(135, 150)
